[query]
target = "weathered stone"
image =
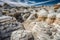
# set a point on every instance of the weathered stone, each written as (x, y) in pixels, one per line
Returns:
(21, 35)
(7, 27)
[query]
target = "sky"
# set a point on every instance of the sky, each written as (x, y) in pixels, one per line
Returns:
(35, 2)
(51, 2)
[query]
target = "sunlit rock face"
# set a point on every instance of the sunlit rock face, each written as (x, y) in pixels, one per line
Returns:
(28, 24)
(57, 6)
(22, 35)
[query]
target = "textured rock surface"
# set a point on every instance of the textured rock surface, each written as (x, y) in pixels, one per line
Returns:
(28, 25)
(21, 35)
(7, 27)
(56, 32)
(43, 32)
